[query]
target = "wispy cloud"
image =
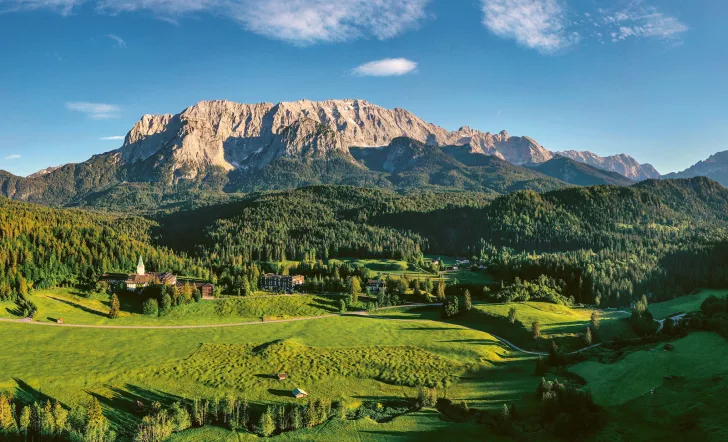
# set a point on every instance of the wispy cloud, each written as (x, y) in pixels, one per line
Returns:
(12, 157)
(113, 138)
(639, 20)
(386, 67)
(549, 26)
(535, 24)
(120, 43)
(64, 7)
(96, 111)
(302, 22)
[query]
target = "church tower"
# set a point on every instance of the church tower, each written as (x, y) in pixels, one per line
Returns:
(140, 266)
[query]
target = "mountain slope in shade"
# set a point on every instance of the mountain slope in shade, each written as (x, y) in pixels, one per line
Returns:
(715, 168)
(623, 164)
(574, 172)
(410, 164)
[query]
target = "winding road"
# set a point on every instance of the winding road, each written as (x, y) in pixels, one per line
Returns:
(308, 318)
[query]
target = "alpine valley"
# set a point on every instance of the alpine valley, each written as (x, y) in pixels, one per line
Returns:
(217, 148)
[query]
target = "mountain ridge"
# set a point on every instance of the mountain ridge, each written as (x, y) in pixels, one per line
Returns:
(220, 144)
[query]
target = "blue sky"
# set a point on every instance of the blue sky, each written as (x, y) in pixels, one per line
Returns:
(647, 78)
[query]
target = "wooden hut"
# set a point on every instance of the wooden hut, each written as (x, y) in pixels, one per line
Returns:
(298, 393)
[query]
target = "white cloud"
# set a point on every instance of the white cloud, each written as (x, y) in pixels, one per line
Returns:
(536, 24)
(386, 67)
(301, 22)
(113, 138)
(120, 43)
(12, 157)
(64, 7)
(641, 21)
(96, 111)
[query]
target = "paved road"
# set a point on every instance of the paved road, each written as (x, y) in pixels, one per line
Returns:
(309, 318)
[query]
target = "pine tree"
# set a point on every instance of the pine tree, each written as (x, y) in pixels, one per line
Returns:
(467, 301)
(512, 315)
(588, 337)
(536, 330)
(115, 307)
(594, 322)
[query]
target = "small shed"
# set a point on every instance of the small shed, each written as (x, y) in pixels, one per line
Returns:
(282, 376)
(59, 321)
(669, 347)
(298, 393)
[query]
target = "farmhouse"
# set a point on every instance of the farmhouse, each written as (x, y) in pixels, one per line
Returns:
(281, 283)
(374, 285)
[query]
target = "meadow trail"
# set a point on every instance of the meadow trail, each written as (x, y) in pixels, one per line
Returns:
(309, 318)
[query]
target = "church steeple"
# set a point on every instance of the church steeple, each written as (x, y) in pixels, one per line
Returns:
(140, 266)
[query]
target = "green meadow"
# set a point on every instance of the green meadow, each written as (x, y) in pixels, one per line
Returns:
(560, 323)
(380, 358)
(401, 268)
(76, 307)
(683, 304)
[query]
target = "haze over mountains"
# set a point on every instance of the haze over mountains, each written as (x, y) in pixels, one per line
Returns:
(233, 147)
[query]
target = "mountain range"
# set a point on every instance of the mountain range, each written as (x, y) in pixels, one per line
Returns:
(232, 147)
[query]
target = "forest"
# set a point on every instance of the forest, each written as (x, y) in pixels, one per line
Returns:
(605, 245)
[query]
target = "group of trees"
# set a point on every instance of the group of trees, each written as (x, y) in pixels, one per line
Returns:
(455, 305)
(52, 421)
(570, 410)
(234, 413)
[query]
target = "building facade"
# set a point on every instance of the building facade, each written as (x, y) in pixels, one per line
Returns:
(281, 283)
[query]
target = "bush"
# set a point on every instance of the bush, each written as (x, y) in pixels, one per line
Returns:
(150, 307)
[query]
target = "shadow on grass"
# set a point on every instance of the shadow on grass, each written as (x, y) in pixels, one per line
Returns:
(280, 393)
(78, 306)
(28, 394)
(122, 410)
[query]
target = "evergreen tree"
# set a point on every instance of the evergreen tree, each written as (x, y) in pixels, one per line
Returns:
(467, 301)
(115, 307)
(266, 426)
(512, 315)
(536, 330)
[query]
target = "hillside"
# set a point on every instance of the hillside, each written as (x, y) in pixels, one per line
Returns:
(715, 168)
(580, 174)
(42, 247)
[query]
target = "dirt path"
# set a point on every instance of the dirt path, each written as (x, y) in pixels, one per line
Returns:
(308, 318)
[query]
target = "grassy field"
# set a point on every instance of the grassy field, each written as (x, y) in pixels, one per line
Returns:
(697, 356)
(560, 323)
(325, 357)
(690, 385)
(397, 267)
(79, 308)
(683, 304)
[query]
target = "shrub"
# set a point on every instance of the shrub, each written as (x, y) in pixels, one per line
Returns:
(150, 307)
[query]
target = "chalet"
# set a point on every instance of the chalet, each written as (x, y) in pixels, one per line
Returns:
(298, 393)
(281, 283)
(374, 285)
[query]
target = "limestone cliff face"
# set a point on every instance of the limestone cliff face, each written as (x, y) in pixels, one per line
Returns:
(242, 136)
(623, 164)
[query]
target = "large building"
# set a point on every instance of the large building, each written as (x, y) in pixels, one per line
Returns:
(136, 282)
(281, 283)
